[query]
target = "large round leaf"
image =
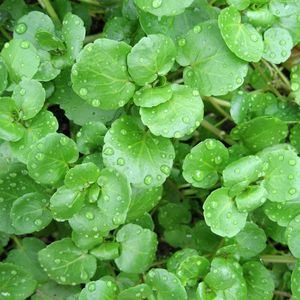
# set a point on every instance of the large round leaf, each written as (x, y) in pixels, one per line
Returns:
(100, 74)
(151, 57)
(206, 160)
(144, 159)
(20, 58)
(138, 248)
(222, 215)
(278, 44)
(100, 289)
(166, 285)
(211, 66)
(15, 282)
(163, 7)
(30, 213)
(282, 180)
(184, 112)
(67, 264)
(48, 161)
(242, 39)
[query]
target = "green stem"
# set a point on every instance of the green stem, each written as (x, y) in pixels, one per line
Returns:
(221, 102)
(216, 105)
(283, 77)
(91, 2)
(282, 294)
(92, 38)
(17, 241)
(278, 259)
(5, 33)
(217, 132)
(46, 4)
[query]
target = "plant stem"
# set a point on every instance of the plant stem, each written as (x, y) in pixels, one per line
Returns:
(217, 132)
(92, 38)
(278, 259)
(17, 241)
(283, 77)
(221, 102)
(91, 2)
(50, 10)
(282, 294)
(216, 105)
(5, 33)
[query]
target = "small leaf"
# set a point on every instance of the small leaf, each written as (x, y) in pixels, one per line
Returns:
(67, 264)
(106, 251)
(138, 247)
(140, 291)
(242, 39)
(202, 165)
(12, 276)
(49, 159)
(184, 111)
(144, 159)
(151, 57)
(103, 63)
(99, 289)
(222, 215)
(29, 96)
(86, 241)
(166, 285)
(30, 213)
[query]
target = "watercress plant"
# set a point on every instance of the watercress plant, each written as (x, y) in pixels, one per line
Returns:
(149, 149)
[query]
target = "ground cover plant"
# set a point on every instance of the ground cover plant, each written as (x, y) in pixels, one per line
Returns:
(149, 149)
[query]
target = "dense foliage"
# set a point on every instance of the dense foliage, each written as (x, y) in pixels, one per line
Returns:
(149, 149)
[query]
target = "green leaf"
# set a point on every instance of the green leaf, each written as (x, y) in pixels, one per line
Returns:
(73, 33)
(178, 257)
(204, 70)
(48, 161)
(29, 25)
(3, 76)
(260, 133)
(66, 202)
(141, 291)
(251, 240)
(278, 44)
(152, 96)
(144, 159)
(151, 57)
(30, 213)
(115, 197)
(292, 234)
(242, 39)
(103, 63)
(106, 251)
(67, 264)
(15, 282)
(282, 175)
(241, 173)
(82, 176)
(163, 7)
(29, 96)
(259, 280)
(261, 16)
(10, 128)
(138, 247)
(295, 83)
(99, 289)
(38, 127)
(142, 201)
(295, 280)
(239, 4)
(180, 237)
(21, 59)
(26, 257)
(251, 198)
(184, 112)
(90, 137)
(222, 215)
(166, 285)
(48, 41)
(204, 292)
(202, 165)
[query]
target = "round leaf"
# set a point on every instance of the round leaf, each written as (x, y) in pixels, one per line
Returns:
(48, 161)
(151, 57)
(140, 291)
(100, 74)
(293, 236)
(67, 264)
(222, 215)
(201, 166)
(278, 44)
(15, 282)
(204, 70)
(99, 289)
(166, 285)
(30, 213)
(144, 159)
(138, 247)
(29, 96)
(184, 112)
(242, 39)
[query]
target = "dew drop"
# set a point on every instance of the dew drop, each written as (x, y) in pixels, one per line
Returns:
(121, 161)
(92, 287)
(156, 3)
(25, 45)
(96, 103)
(198, 176)
(38, 222)
(294, 86)
(89, 215)
(197, 29)
(165, 169)
(292, 162)
(21, 28)
(63, 141)
(181, 42)
(254, 37)
(83, 91)
(292, 191)
(148, 180)
(218, 159)
(210, 144)
(57, 261)
(108, 151)
(22, 92)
